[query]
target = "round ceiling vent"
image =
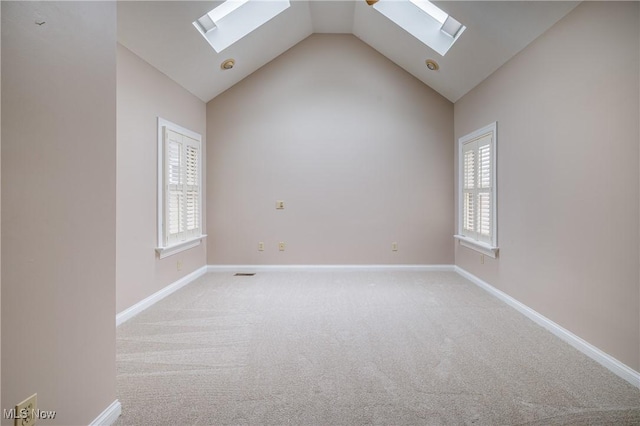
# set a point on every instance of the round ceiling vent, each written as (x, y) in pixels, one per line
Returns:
(228, 64)
(432, 65)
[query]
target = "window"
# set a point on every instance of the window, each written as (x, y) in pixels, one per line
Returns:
(477, 226)
(179, 188)
(424, 20)
(233, 19)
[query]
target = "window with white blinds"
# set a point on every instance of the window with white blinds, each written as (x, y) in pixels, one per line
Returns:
(477, 226)
(179, 188)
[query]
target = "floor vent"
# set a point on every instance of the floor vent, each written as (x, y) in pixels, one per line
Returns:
(244, 274)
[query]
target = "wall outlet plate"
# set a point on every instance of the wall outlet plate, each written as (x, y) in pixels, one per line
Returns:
(260, 246)
(281, 246)
(394, 246)
(280, 205)
(26, 411)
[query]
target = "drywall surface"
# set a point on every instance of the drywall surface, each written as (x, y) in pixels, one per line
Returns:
(0, 208)
(144, 94)
(567, 112)
(359, 151)
(58, 207)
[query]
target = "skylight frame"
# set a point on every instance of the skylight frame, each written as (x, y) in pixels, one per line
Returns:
(451, 26)
(421, 19)
(432, 10)
(224, 9)
(205, 24)
(232, 20)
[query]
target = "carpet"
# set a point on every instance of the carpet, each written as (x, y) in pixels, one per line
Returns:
(354, 348)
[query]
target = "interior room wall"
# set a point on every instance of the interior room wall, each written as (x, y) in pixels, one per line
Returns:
(58, 207)
(568, 172)
(0, 210)
(144, 94)
(359, 151)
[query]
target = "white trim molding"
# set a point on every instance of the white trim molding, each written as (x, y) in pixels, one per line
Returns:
(479, 246)
(134, 310)
(616, 367)
(364, 268)
(109, 415)
(177, 248)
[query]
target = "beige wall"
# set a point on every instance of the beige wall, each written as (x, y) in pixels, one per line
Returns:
(359, 150)
(58, 207)
(0, 209)
(144, 93)
(567, 112)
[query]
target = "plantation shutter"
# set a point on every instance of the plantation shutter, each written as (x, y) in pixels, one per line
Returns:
(192, 188)
(173, 190)
(485, 191)
(477, 190)
(181, 187)
(469, 190)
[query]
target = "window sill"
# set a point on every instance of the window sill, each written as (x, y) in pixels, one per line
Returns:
(181, 246)
(481, 247)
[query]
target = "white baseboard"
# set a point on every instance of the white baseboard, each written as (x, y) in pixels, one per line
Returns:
(155, 297)
(284, 268)
(109, 415)
(618, 368)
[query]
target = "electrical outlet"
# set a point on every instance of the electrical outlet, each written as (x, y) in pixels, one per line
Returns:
(179, 265)
(280, 205)
(260, 246)
(394, 246)
(26, 411)
(281, 246)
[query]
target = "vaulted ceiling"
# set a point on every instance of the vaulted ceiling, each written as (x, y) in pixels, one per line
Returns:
(161, 33)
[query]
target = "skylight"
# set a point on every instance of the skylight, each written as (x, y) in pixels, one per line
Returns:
(432, 10)
(208, 21)
(234, 19)
(423, 20)
(225, 8)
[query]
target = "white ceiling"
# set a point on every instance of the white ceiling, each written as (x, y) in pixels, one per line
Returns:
(162, 33)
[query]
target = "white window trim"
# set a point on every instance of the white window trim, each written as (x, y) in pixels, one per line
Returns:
(162, 249)
(491, 249)
(181, 246)
(479, 246)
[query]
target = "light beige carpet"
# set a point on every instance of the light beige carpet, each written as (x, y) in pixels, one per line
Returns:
(354, 348)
